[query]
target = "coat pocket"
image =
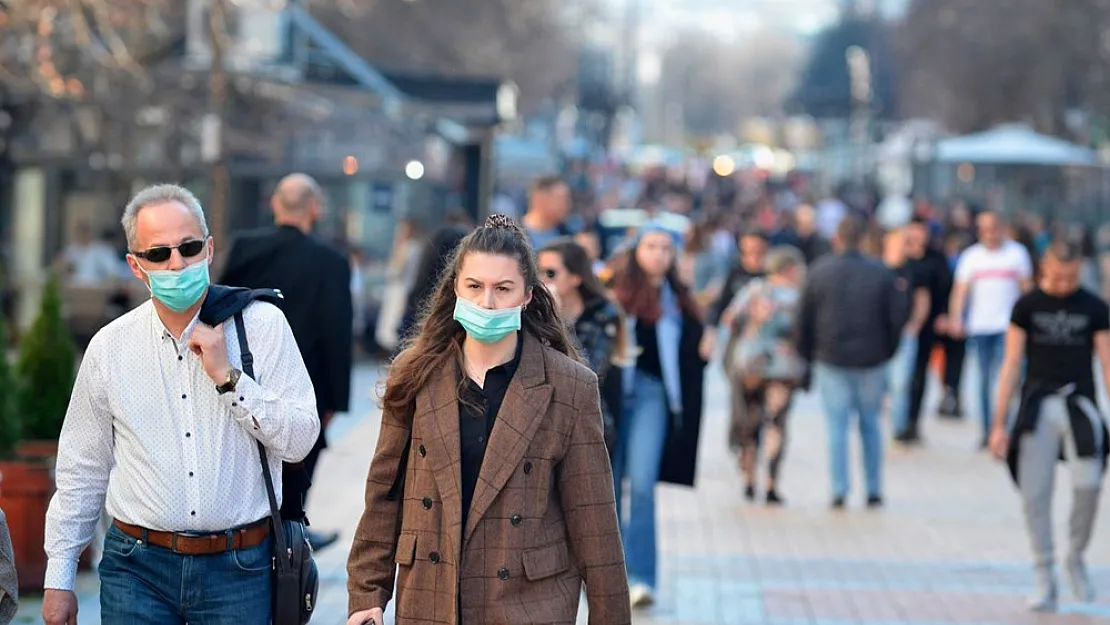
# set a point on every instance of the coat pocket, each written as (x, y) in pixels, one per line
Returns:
(406, 549)
(545, 562)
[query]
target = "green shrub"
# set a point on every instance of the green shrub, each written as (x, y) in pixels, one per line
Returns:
(10, 426)
(46, 369)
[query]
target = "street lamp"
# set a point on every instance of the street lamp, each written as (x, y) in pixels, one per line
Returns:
(859, 77)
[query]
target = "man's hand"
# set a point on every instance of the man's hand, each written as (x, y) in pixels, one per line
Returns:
(956, 329)
(999, 442)
(940, 326)
(208, 343)
(373, 616)
(708, 345)
(59, 607)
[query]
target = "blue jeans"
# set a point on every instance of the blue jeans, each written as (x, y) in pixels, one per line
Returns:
(844, 392)
(141, 583)
(638, 456)
(988, 349)
(900, 372)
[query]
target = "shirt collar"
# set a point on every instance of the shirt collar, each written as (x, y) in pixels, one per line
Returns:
(162, 333)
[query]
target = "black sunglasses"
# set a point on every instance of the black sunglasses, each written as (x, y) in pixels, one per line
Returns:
(162, 253)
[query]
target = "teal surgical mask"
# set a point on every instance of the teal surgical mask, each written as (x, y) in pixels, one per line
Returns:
(179, 290)
(485, 325)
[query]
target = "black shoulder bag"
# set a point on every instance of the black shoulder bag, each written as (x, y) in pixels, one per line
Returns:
(296, 581)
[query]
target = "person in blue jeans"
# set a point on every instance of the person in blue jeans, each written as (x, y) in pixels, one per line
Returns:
(850, 323)
(662, 399)
(990, 277)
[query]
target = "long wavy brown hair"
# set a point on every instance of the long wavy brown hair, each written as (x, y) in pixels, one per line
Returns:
(638, 296)
(438, 337)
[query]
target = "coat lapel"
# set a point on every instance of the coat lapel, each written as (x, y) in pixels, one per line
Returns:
(437, 419)
(525, 404)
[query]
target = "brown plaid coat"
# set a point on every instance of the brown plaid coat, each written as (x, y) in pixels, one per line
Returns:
(542, 521)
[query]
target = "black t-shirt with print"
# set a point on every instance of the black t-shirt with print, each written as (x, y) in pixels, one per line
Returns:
(1059, 336)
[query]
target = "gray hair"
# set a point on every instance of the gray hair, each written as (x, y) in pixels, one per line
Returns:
(782, 258)
(160, 194)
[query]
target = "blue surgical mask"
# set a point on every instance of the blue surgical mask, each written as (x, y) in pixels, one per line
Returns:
(179, 290)
(485, 325)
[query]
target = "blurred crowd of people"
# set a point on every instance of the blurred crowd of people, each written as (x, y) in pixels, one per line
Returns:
(788, 293)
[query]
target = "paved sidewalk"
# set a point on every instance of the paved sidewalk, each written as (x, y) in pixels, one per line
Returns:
(948, 547)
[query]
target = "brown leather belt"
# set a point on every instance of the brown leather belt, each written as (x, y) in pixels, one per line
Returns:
(200, 544)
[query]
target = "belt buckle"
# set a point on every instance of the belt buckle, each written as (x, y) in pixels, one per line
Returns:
(177, 535)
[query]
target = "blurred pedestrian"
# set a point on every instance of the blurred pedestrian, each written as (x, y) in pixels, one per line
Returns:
(989, 279)
(766, 367)
(9, 584)
(315, 280)
(1056, 330)
(849, 326)
(930, 269)
(661, 419)
(599, 326)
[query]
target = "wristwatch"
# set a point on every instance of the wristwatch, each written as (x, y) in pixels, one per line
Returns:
(232, 381)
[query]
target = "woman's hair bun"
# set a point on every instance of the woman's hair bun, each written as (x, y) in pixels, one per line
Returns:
(501, 222)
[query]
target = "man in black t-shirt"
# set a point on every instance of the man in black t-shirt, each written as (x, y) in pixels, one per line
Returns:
(1057, 328)
(931, 271)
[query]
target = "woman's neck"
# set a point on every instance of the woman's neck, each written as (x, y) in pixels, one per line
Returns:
(656, 281)
(572, 305)
(481, 357)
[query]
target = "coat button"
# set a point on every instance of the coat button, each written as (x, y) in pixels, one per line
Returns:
(427, 503)
(527, 467)
(503, 574)
(516, 520)
(434, 557)
(423, 452)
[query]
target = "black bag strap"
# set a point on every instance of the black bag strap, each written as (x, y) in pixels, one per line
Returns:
(282, 562)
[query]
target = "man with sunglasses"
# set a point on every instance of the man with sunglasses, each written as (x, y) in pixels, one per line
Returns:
(315, 280)
(162, 428)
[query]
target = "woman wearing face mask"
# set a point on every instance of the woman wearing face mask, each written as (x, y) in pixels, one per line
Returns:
(566, 269)
(504, 531)
(661, 417)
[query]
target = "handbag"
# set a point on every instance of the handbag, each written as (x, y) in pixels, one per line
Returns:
(296, 581)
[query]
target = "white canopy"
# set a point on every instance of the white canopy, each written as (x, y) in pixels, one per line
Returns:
(1013, 144)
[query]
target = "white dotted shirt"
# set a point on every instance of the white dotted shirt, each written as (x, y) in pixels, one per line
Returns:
(147, 429)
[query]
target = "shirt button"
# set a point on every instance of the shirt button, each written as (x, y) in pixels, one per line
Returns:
(434, 557)
(527, 468)
(193, 513)
(423, 452)
(516, 520)
(481, 439)
(180, 357)
(427, 503)
(183, 396)
(234, 404)
(240, 399)
(503, 574)
(190, 474)
(188, 434)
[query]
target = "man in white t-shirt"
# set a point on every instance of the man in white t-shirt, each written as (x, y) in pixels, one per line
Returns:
(990, 277)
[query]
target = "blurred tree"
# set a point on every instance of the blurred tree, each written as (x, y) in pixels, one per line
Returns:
(824, 90)
(974, 64)
(716, 84)
(534, 43)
